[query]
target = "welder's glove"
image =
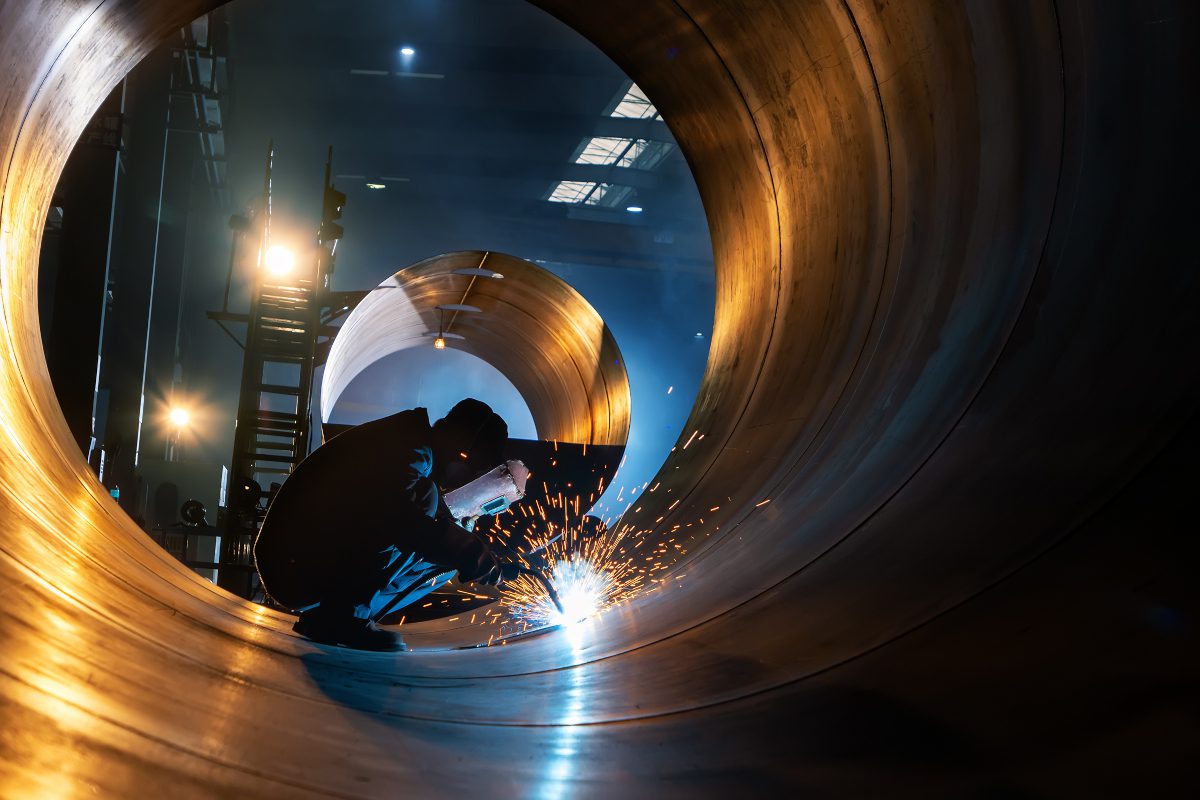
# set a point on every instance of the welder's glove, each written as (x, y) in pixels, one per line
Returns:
(501, 572)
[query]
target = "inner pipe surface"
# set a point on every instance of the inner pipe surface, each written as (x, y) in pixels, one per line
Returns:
(549, 342)
(951, 372)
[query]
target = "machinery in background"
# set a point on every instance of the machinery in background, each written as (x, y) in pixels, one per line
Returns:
(191, 539)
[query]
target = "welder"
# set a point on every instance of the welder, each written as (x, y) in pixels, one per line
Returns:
(359, 529)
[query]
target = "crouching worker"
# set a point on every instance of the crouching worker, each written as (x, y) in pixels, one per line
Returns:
(359, 529)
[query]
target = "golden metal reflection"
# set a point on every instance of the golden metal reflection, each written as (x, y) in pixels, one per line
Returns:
(533, 327)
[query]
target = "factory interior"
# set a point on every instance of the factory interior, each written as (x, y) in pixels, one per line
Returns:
(850, 348)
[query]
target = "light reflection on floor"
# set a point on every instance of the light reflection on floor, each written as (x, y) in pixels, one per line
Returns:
(560, 768)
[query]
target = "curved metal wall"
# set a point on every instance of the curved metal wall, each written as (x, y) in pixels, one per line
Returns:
(532, 326)
(945, 440)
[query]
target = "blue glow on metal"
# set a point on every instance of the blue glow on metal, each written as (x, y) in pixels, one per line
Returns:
(582, 588)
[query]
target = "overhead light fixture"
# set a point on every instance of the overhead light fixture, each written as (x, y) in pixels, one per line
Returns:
(279, 260)
(440, 342)
(634, 209)
(179, 417)
(376, 185)
(407, 51)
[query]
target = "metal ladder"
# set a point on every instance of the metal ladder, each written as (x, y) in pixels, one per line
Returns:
(273, 425)
(288, 334)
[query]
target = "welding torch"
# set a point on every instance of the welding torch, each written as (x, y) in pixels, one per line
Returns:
(545, 581)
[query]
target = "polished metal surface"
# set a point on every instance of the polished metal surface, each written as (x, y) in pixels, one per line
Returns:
(942, 453)
(529, 323)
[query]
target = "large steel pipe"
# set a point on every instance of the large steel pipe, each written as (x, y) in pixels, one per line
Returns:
(940, 448)
(529, 323)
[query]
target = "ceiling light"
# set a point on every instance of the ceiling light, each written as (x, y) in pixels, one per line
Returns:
(407, 51)
(179, 417)
(440, 342)
(376, 185)
(634, 209)
(279, 260)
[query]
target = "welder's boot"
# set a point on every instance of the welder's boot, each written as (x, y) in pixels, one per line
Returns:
(348, 631)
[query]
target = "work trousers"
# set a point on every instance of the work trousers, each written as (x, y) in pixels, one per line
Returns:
(403, 579)
(363, 575)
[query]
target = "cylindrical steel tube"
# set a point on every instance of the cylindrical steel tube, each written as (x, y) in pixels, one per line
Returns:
(933, 521)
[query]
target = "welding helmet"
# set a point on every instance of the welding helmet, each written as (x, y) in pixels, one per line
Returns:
(468, 441)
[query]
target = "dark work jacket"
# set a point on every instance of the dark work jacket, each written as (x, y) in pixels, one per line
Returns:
(362, 492)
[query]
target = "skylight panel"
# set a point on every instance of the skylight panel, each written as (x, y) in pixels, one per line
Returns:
(635, 105)
(605, 150)
(608, 195)
(615, 151)
(631, 156)
(571, 191)
(597, 194)
(650, 154)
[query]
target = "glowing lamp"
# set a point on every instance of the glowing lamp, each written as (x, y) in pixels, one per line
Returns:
(439, 343)
(179, 417)
(279, 260)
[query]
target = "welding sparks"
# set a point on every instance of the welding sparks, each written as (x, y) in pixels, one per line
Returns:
(585, 585)
(590, 565)
(583, 588)
(584, 563)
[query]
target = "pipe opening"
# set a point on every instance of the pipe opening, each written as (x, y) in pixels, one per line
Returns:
(197, 208)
